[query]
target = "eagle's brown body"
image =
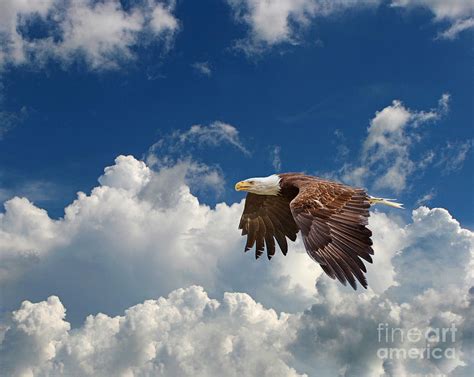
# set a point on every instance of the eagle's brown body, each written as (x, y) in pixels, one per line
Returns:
(332, 218)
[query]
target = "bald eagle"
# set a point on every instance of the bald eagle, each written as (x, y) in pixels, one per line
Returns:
(331, 217)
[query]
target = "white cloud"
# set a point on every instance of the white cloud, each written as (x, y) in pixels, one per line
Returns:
(34, 338)
(215, 134)
(174, 152)
(272, 22)
(203, 68)
(453, 31)
(386, 159)
(173, 336)
(127, 173)
(175, 173)
(99, 31)
(338, 334)
(162, 18)
(269, 21)
(436, 235)
(103, 33)
(452, 156)
(426, 198)
(12, 14)
(457, 12)
(141, 234)
(442, 10)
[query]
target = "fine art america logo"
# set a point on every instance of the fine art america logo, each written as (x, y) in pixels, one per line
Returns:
(434, 344)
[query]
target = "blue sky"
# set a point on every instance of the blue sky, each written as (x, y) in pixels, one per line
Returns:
(124, 126)
(340, 71)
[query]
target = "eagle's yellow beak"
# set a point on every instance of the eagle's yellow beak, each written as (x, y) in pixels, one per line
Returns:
(242, 186)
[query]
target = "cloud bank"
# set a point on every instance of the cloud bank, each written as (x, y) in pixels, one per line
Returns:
(172, 336)
(142, 233)
(131, 247)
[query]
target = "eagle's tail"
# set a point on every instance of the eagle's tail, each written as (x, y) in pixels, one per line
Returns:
(387, 202)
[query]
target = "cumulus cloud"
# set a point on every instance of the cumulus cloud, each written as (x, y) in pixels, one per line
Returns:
(337, 335)
(139, 234)
(103, 34)
(127, 173)
(386, 159)
(32, 341)
(174, 173)
(173, 336)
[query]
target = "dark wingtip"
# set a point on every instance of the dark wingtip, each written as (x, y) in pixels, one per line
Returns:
(269, 256)
(367, 258)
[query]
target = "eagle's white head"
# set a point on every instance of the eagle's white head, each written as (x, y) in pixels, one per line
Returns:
(262, 186)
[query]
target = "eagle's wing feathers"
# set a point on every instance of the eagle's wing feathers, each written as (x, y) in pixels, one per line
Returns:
(333, 218)
(267, 218)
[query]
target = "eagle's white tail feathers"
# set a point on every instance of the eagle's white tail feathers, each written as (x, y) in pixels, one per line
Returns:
(387, 202)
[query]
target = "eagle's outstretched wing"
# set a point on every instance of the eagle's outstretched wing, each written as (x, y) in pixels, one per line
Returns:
(332, 219)
(266, 218)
